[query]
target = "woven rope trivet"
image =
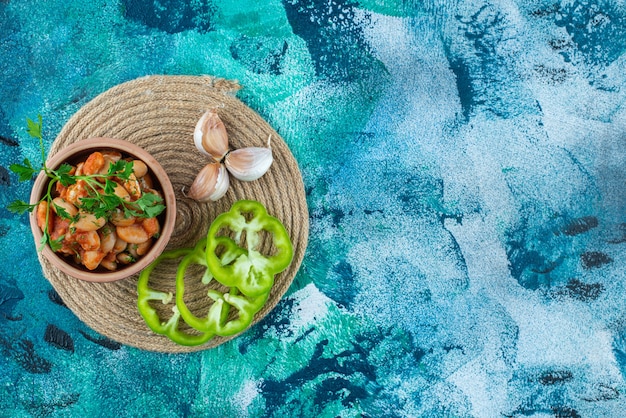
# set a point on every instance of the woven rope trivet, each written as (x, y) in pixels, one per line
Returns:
(159, 113)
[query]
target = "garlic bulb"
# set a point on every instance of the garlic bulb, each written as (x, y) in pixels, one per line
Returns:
(210, 136)
(211, 183)
(248, 164)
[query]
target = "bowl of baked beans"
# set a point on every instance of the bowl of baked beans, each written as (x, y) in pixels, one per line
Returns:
(111, 213)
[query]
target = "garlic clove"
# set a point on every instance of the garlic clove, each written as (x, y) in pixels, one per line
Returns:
(210, 136)
(211, 183)
(248, 164)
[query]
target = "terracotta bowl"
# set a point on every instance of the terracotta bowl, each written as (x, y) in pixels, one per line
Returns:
(79, 151)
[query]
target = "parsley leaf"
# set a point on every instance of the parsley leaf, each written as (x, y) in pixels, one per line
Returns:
(62, 212)
(20, 207)
(129, 213)
(63, 172)
(109, 186)
(34, 128)
(109, 202)
(150, 204)
(154, 211)
(121, 168)
(56, 244)
(25, 171)
(45, 239)
(101, 205)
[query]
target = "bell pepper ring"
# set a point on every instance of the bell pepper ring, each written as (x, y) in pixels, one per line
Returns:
(169, 328)
(247, 308)
(235, 264)
(216, 321)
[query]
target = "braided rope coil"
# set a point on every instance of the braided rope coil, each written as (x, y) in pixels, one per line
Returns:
(159, 113)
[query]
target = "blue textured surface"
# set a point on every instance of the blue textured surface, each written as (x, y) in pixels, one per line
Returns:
(465, 170)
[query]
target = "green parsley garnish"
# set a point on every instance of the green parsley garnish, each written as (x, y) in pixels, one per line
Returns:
(101, 199)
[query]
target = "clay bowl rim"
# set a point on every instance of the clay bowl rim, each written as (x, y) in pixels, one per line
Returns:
(160, 175)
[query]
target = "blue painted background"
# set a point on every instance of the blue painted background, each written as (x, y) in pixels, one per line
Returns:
(464, 162)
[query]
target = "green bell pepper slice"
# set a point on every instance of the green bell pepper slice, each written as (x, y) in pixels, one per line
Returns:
(243, 266)
(169, 328)
(216, 321)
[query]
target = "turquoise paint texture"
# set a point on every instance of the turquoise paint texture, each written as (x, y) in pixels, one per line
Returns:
(464, 163)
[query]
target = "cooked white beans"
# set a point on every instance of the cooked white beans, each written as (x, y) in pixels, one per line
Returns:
(95, 241)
